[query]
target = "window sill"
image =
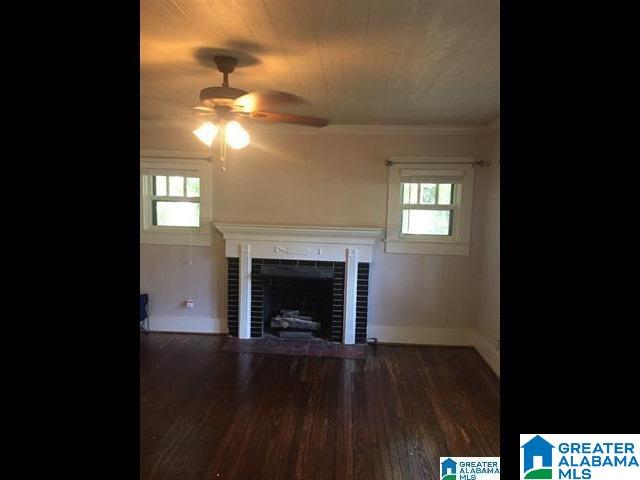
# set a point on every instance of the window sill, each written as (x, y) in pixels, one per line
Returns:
(196, 239)
(427, 248)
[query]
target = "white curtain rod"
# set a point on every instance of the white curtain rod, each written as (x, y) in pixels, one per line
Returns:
(480, 163)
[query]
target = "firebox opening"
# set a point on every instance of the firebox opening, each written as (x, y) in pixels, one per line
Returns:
(298, 305)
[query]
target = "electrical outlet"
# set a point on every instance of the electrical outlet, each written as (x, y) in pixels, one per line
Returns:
(497, 344)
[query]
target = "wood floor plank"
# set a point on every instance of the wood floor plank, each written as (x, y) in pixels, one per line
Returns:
(211, 414)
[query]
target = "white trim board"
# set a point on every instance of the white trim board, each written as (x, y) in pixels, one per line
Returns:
(175, 238)
(149, 154)
(428, 248)
(486, 351)
(162, 323)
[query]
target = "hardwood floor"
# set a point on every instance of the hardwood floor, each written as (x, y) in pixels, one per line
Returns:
(207, 414)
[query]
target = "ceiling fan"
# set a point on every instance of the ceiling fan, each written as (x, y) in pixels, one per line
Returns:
(227, 105)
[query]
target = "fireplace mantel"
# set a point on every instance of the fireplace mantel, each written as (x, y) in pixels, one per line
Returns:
(350, 245)
(299, 242)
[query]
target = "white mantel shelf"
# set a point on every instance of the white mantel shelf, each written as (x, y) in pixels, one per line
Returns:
(232, 231)
(305, 242)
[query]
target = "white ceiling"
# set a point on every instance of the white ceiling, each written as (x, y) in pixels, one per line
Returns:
(356, 61)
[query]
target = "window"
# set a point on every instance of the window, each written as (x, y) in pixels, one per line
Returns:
(175, 202)
(429, 205)
(427, 208)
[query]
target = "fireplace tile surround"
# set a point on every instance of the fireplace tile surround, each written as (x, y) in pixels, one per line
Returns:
(348, 251)
(258, 291)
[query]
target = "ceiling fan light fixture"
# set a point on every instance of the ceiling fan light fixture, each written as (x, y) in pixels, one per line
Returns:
(206, 133)
(237, 137)
(225, 103)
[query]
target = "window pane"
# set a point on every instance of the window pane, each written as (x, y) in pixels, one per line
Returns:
(176, 186)
(410, 193)
(428, 193)
(406, 189)
(176, 214)
(445, 194)
(426, 222)
(160, 184)
(193, 187)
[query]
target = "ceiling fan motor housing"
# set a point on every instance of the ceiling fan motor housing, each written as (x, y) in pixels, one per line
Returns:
(225, 64)
(213, 96)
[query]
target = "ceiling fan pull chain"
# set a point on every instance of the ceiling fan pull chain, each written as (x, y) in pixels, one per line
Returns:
(223, 149)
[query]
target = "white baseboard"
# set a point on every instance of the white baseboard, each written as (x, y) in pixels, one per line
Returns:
(438, 336)
(384, 333)
(159, 323)
(421, 335)
(487, 351)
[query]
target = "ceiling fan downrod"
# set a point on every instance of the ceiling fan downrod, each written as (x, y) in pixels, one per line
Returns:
(226, 65)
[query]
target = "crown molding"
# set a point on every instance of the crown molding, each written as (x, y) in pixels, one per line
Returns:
(341, 129)
(173, 154)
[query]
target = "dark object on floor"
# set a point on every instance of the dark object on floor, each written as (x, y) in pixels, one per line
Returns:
(372, 341)
(144, 315)
(308, 347)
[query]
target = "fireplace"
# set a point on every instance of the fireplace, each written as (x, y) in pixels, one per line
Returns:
(289, 290)
(321, 273)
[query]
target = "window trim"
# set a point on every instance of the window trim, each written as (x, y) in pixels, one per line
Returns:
(162, 235)
(429, 166)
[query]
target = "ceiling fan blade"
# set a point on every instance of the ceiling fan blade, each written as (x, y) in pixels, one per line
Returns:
(203, 108)
(266, 100)
(289, 118)
(203, 111)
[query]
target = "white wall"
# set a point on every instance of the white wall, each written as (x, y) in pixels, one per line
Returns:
(488, 233)
(165, 273)
(338, 180)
